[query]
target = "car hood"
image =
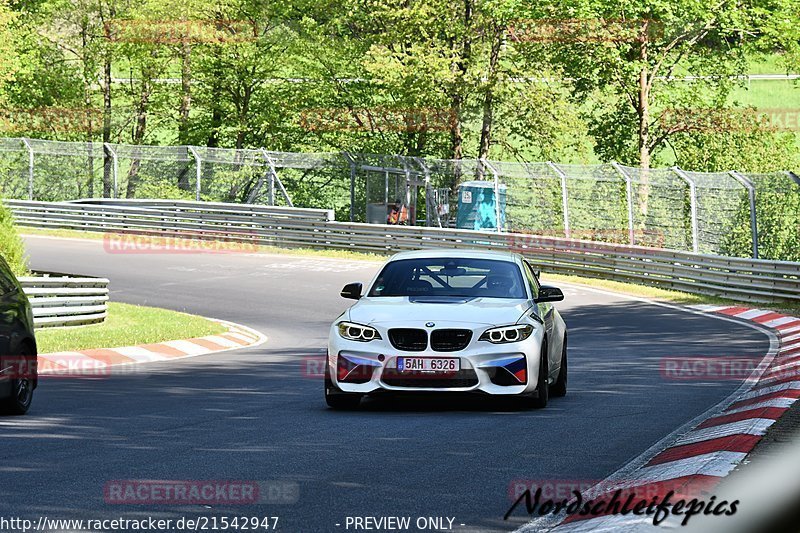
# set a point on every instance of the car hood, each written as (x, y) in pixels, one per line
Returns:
(397, 309)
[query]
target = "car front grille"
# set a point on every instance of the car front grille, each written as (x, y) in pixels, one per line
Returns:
(450, 340)
(454, 380)
(409, 340)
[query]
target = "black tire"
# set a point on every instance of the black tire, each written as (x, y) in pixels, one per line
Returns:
(559, 388)
(21, 393)
(336, 399)
(538, 400)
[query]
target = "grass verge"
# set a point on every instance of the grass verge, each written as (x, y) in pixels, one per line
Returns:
(127, 325)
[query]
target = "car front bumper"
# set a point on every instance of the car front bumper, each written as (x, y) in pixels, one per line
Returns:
(484, 367)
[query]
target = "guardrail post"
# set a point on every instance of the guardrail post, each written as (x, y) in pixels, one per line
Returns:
(628, 199)
(751, 194)
(199, 164)
(493, 170)
(30, 167)
(693, 202)
(114, 167)
(564, 197)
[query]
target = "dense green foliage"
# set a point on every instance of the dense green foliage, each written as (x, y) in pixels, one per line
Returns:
(503, 79)
(11, 246)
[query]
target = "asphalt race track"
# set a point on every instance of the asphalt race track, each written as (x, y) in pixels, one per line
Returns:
(257, 414)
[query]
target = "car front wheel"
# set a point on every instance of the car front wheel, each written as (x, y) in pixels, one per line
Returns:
(538, 399)
(335, 398)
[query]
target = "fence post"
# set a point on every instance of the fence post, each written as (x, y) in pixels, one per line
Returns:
(629, 200)
(496, 192)
(30, 167)
(564, 197)
(275, 180)
(114, 167)
(352, 163)
(271, 184)
(693, 202)
(199, 164)
(751, 194)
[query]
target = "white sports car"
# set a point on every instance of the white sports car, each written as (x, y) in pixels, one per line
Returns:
(449, 320)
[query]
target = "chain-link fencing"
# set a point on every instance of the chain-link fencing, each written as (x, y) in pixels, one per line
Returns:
(729, 213)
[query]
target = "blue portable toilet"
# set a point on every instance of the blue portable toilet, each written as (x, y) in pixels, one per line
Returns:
(476, 205)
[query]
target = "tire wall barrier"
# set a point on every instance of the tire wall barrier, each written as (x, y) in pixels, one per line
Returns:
(59, 300)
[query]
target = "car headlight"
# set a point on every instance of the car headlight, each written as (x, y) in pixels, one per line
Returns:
(358, 332)
(504, 334)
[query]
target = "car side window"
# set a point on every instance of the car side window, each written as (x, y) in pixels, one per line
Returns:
(532, 281)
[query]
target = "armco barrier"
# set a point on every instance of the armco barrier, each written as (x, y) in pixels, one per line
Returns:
(740, 279)
(58, 300)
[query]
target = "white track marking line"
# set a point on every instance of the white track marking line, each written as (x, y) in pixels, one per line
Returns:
(708, 464)
(782, 368)
(789, 331)
(227, 343)
(790, 346)
(750, 426)
(139, 354)
(780, 321)
(768, 390)
(239, 336)
(752, 313)
(775, 402)
(187, 347)
(709, 308)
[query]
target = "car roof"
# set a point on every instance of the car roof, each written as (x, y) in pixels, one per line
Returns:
(455, 253)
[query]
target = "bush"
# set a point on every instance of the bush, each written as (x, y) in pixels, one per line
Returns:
(11, 246)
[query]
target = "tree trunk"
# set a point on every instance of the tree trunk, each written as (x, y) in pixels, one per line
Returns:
(186, 103)
(138, 133)
(488, 99)
(644, 133)
(88, 76)
(457, 100)
(108, 162)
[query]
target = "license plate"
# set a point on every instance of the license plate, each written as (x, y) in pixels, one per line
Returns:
(428, 364)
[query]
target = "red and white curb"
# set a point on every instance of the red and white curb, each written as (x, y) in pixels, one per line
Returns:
(101, 361)
(695, 462)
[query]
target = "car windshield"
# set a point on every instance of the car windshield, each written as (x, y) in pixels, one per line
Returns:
(450, 277)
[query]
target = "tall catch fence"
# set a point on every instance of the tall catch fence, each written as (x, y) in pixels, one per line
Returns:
(727, 213)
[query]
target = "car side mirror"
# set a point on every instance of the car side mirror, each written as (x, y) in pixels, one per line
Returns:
(352, 291)
(549, 294)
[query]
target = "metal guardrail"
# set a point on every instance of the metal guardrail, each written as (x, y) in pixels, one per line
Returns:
(209, 207)
(741, 279)
(58, 300)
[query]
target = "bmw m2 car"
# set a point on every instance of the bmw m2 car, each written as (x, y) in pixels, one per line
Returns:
(449, 320)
